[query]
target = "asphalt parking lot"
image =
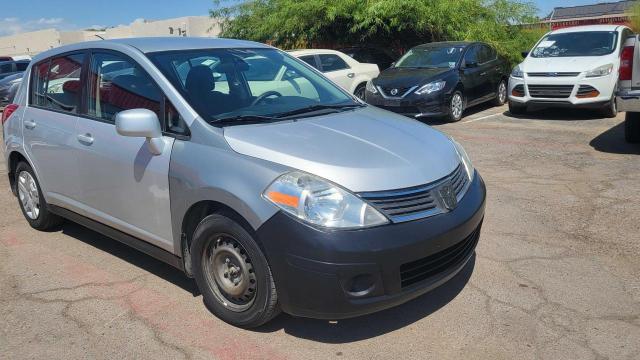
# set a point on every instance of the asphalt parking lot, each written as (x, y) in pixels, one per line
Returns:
(556, 273)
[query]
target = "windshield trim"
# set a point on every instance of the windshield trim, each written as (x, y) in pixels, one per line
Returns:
(615, 42)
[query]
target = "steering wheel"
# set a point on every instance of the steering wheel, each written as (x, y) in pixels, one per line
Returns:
(264, 96)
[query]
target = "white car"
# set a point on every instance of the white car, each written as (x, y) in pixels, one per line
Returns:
(339, 67)
(575, 67)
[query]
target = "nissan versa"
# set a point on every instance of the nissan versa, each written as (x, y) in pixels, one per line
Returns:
(441, 79)
(285, 194)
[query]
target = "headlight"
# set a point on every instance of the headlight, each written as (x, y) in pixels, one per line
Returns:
(371, 88)
(517, 72)
(603, 70)
(431, 87)
(320, 202)
(464, 158)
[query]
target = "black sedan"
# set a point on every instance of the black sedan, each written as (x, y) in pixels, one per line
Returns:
(441, 79)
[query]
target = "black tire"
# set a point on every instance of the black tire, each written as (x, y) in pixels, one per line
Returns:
(611, 109)
(216, 232)
(632, 127)
(44, 219)
(455, 113)
(360, 90)
(501, 94)
(517, 109)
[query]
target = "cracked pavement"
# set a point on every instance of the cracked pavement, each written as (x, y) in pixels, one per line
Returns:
(556, 273)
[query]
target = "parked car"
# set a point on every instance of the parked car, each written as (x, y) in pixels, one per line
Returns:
(8, 87)
(628, 91)
(12, 67)
(314, 204)
(441, 79)
(572, 67)
(15, 58)
(342, 69)
(371, 55)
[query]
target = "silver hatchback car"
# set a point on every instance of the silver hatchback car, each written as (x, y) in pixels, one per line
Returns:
(245, 168)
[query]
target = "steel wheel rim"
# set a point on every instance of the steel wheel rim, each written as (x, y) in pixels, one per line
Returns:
(229, 273)
(502, 92)
(29, 195)
(456, 106)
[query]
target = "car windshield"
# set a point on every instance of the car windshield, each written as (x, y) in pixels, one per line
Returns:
(431, 57)
(258, 84)
(587, 43)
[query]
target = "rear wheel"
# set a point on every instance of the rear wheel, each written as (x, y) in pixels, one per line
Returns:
(360, 90)
(456, 107)
(501, 94)
(517, 109)
(632, 127)
(611, 109)
(32, 203)
(232, 273)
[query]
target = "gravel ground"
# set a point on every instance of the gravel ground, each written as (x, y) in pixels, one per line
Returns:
(555, 276)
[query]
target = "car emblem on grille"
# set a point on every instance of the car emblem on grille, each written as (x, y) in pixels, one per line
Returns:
(553, 74)
(447, 196)
(394, 92)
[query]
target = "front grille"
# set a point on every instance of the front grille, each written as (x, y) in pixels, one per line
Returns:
(402, 109)
(518, 90)
(553, 74)
(550, 91)
(432, 265)
(418, 201)
(400, 93)
(585, 91)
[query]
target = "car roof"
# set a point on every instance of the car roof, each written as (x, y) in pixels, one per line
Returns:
(588, 28)
(447, 43)
(157, 44)
(302, 52)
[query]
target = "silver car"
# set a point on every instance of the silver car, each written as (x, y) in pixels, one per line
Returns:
(245, 168)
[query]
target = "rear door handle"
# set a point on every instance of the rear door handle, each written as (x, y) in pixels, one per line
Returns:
(350, 75)
(85, 139)
(29, 124)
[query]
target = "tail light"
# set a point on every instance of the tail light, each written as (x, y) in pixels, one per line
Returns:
(8, 110)
(626, 63)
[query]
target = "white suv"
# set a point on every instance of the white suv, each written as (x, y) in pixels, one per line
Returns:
(575, 67)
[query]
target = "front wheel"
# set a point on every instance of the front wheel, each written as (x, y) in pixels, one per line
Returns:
(632, 127)
(501, 94)
(232, 273)
(456, 107)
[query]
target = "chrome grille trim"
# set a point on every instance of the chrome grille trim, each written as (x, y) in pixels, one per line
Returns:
(419, 201)
(553, 74)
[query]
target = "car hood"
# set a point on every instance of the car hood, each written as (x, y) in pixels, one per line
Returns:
(367, 149)
(564, 64)
(408, 77)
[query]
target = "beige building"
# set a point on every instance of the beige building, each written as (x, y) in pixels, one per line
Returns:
(32, 43)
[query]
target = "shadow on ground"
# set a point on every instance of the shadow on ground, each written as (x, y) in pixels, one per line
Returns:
(131, 256)
(376, 324)
(612, 141)
(560, 114)
(342, 331)
(467, 113)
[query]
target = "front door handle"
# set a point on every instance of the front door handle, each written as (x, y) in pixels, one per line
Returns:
(29, 124)
(350, 75)
(85, 139)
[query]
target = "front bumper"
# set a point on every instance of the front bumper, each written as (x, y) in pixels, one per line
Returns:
(628, 100)
(604, 85)
(412, 105)
(339, 274)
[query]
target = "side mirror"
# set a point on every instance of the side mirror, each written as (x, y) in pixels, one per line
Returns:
(141, 123)
(525, 54)
(471, 64)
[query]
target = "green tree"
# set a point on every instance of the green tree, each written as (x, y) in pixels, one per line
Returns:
(398, 24)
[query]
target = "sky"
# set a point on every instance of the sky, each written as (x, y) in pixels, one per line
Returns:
(28, 15)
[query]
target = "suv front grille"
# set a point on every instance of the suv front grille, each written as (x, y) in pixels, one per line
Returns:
(427, 267)
(418, 201)
(550, 91)
(553, 74)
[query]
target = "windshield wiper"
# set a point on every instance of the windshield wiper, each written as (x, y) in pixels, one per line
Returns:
(243, 119)
(318, 107)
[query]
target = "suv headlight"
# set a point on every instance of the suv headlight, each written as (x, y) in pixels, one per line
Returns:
(371, 88)
(603, 70)
(431, 87)
(464, 159)
(320, 202)
(517, 72)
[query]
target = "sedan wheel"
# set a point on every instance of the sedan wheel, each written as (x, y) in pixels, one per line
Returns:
(501, 96)
(28, 195)
(456, 107)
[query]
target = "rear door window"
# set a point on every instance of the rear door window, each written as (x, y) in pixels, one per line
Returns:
(486, 54)
(331, 62)
(39, 76)
(63, 83)
(311, 60)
